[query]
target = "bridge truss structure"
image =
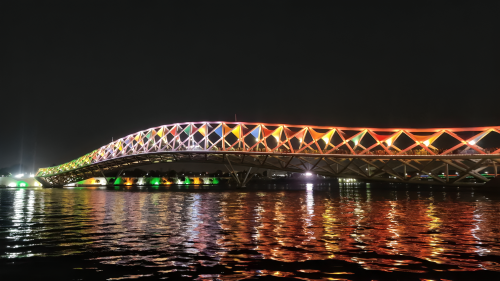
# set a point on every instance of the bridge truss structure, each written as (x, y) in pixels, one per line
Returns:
(447, 156)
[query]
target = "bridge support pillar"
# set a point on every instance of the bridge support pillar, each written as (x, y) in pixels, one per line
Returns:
(235, 175)
(43, 182)
(102, 173)
(247, 179)
(495, 168)
(447, 173)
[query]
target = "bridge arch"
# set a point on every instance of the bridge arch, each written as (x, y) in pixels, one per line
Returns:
(390, 154)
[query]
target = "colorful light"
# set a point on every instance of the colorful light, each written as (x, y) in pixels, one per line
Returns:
(349, 140)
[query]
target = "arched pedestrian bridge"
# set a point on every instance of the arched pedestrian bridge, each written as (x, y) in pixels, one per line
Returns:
(455, 156)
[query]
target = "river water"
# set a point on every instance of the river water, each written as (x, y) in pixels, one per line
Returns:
(269, 232)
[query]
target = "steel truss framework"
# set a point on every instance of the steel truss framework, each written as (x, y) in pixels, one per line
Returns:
(401, 155)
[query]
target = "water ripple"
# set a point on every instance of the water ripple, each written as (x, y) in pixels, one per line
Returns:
(308, 234)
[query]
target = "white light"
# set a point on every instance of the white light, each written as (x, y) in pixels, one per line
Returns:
(22, 184)
(12, 184)
(472, 142)
(32, 175)
(19, 175)
(426, 143)
(309, 186)
(389, 142)
(308, 174)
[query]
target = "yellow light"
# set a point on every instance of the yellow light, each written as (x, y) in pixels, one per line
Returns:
(426, 143)
(389, 142)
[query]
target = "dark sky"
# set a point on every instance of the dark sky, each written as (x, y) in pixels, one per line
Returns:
(77, 73)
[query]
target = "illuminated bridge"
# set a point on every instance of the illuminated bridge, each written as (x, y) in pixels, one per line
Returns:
(448, 156)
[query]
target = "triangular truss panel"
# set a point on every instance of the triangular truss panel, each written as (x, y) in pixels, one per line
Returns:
(445, 141)
(490, 142)
(403, 142)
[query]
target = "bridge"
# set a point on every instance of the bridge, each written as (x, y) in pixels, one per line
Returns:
(446, 156)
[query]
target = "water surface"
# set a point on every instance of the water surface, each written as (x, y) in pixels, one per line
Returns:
(266, 233)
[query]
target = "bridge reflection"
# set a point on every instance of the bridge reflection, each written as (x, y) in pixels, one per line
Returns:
(394, 231)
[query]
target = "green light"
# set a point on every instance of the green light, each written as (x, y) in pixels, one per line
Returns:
(215, 181)
(187, 181)
(155, 181)
(22, 184)
(119, 181)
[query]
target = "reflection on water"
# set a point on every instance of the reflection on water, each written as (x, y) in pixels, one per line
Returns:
(314, 233)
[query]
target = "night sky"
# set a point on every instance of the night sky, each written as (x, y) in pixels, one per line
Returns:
(77, 73)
